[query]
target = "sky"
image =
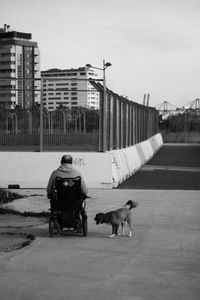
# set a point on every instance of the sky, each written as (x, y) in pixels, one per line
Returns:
(153, 45)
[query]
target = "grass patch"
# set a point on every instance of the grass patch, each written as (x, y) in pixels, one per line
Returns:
(6, 210)
(7, 196)
(14, 241)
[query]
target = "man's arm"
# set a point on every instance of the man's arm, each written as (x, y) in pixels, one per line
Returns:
(84, 188)
(50, 186)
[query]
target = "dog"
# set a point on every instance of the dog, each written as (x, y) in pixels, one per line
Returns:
(117, 217)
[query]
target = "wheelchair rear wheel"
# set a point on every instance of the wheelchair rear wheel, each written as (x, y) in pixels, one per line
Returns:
(53, 227)
(84, 225)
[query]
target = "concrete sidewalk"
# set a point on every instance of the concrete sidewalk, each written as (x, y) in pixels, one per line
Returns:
(160, 261)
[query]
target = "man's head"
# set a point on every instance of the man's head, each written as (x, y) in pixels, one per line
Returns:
(66, 159)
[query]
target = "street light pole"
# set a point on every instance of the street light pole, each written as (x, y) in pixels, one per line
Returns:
(103, 109)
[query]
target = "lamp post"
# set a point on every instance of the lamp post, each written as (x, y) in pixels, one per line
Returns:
(105, 66)
(103, 116)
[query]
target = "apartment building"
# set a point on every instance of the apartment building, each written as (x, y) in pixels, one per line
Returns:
(69, 88)
(19, 69)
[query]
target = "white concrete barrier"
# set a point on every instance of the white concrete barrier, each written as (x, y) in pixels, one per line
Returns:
(129, 160)
(32, 169)
(100, 170)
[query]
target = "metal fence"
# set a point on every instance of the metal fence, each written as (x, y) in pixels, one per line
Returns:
(118, 123)
(124, 123)
(183, 127)
(63, 129)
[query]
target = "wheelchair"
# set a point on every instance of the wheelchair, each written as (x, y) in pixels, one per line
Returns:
(67, 207)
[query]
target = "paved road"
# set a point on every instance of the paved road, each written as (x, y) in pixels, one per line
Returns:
(161, 261)
(172, 168)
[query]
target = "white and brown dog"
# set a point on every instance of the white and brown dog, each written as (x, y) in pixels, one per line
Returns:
(117, 217)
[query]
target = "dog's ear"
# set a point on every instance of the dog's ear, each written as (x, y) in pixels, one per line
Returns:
(99, 218)
(96, 219)
(132, 204)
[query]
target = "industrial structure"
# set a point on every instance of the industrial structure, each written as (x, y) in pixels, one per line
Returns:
(167, 109)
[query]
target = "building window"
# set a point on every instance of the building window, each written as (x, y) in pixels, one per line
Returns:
(62, 89)
(71, 74)
(65, 83)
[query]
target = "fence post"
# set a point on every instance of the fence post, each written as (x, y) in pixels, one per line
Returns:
(101, 122)
(41, 117)
(127, 124)
(134, 122)
(111, 110)
(103, 115)
(121, 124)
(117, 123)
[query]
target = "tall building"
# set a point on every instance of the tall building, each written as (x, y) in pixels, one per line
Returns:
(19, 69)
(69, 88)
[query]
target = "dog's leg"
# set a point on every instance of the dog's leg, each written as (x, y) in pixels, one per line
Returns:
(116, 229)
(130, 227)
(112, 235)
(122, 224)
(113, 232)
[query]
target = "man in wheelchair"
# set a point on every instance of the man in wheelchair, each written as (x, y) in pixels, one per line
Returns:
(67, 192)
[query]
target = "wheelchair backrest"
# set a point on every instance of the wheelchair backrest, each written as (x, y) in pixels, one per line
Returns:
(68, 193)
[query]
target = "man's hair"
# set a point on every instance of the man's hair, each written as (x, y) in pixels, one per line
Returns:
(66, 159)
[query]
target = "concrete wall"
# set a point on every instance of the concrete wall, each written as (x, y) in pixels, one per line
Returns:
(129, 160)
(100, 170)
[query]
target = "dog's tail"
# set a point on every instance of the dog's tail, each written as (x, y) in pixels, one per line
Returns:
(132, 204)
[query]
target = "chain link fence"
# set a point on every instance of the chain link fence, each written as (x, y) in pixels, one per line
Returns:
(181, 128)
(118, 123)
(73, 129)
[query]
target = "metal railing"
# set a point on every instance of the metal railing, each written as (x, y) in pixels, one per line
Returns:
(63, 129)
(123, 123)
(118, 123)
